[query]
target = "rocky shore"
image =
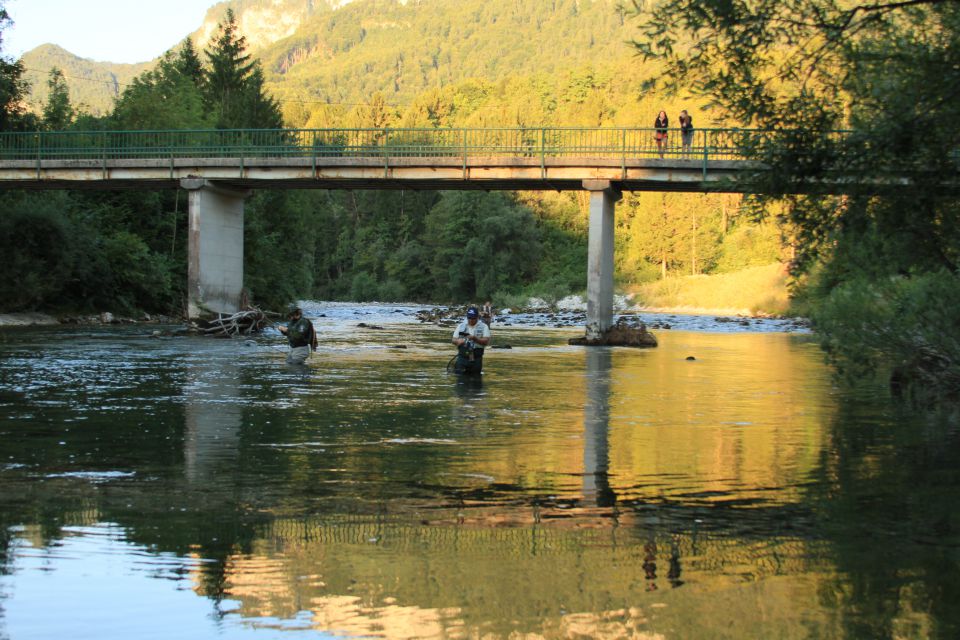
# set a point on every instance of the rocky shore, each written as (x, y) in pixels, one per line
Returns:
(35, 319)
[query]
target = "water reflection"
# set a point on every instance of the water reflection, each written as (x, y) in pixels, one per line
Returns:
(214, 415)
(570, 494)
(596, 429)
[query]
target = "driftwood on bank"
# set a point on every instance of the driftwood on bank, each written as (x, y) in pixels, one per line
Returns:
(244, 322)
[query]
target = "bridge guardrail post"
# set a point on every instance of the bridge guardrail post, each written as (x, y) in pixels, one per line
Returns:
(543, 153)
(463, 145)
(706, 153)
(386, 153)
(39, 139)
(103, 154)
(623, 154)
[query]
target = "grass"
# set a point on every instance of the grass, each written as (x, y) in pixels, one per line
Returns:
(753, 291)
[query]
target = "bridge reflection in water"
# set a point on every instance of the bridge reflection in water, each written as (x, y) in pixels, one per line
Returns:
(607, 493)
(513, 559)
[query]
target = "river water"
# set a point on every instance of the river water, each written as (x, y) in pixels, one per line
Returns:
(182, 487)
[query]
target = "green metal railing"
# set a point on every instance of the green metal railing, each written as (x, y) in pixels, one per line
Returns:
(543, 143)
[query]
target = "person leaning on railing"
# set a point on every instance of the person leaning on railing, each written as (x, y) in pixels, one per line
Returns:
(662, 127)
(686, 132)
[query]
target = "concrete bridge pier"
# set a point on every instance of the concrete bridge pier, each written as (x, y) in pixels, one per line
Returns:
(603, 199)
(215, 247)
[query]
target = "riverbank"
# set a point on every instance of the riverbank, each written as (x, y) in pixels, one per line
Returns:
(37, 319)
(27, 320)
(569, 313)
(756, 292)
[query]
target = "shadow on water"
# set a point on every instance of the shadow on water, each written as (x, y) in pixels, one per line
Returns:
(600, 492)
(885, 497)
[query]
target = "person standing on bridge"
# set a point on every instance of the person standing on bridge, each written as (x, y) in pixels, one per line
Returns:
(301, 335)
(662, 129)
(686, 132)
(470, 337)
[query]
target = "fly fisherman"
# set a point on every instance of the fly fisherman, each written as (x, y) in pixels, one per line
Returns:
(301, 335)
(470, 337)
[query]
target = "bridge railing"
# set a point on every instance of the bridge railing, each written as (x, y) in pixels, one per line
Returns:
(554, 142)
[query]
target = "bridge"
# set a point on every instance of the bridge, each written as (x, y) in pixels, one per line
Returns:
(219, 168)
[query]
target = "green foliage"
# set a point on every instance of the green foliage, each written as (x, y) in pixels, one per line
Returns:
(57, 113)
(167, 97)
(233, 83)
(806, 68)
(750, 245)
(405, 49)
(280, 232)
(57, 259)
(363, 287)
(902, 326)
(761, 289)
(35, 238)
(13, 86)
(885, 71)
(93, 85)
(134, 277)
(480, 243)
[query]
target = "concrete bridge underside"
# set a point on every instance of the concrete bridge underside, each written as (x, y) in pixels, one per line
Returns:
(219, 186)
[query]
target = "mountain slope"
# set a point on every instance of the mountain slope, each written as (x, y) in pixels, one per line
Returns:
(92, 84)
(401, 49)
(344, 51)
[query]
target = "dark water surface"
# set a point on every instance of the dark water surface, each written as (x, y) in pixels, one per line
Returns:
(158, 487)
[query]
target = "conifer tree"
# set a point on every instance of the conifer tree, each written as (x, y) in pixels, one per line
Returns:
(188, 62)
(164, 98)
(57, 113)
(233, 83)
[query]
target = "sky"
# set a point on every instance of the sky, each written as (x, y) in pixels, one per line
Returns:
(103, 30)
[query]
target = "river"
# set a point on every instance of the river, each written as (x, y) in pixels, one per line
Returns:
(182, 487)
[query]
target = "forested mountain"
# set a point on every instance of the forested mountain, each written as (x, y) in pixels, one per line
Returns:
(402, 49)
(93, 86)
(318, 53)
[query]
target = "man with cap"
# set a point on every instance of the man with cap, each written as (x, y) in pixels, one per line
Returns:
(470, 337)
(301, 335)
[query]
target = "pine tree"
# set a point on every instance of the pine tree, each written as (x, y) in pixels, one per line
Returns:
(58, 112)
(164, 98)
(188, 62)
(233, 84)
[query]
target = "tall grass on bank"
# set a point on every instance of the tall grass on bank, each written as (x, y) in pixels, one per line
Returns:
(904, 326)
(757, 290)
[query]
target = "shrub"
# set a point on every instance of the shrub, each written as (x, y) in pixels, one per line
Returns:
(903, 326)
(363, 287)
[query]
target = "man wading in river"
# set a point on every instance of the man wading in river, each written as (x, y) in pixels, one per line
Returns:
(471, 336)
(301, 335)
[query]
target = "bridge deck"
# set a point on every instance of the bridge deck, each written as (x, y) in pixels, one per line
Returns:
(435, 173)
(513, 159)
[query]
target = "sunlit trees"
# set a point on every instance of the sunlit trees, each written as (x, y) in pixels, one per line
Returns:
(887, 72)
